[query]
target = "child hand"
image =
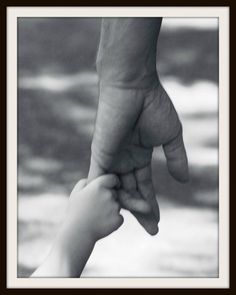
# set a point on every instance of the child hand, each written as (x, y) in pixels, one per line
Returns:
(93, 213)
(94, 208)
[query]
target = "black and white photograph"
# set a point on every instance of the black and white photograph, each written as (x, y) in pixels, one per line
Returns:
(118, 147)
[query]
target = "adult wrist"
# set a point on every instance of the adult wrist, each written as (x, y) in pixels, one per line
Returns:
(133, 76)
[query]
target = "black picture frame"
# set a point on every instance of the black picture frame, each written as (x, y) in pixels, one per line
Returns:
(3, 26)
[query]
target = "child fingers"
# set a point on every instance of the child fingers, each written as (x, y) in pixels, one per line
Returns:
(79, 186)
(116, 207)
(82, 183)
(112, 197)
(114, 194)
(108, 181)
(119, 221)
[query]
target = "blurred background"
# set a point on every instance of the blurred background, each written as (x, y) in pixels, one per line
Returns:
(57, 101)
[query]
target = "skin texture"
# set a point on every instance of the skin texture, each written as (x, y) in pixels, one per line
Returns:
(135, 114)
(83, 227)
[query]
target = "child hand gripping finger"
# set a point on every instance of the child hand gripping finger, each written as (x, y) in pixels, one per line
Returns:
(92, 214)
(96, 207)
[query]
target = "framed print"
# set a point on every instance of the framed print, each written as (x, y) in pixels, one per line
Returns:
(136, 101)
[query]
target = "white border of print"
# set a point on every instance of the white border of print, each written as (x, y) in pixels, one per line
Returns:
(222, 13)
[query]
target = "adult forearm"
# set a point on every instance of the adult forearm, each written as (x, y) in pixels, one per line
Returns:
(127, 51)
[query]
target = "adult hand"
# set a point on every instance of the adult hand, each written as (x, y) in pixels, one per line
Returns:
(134, 115)
(144, 119)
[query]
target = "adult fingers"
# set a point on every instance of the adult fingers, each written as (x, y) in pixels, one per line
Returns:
(128, 181)
(130, 197)
(145, 187)
(176, 157)
(147, 220)
(131, 202)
